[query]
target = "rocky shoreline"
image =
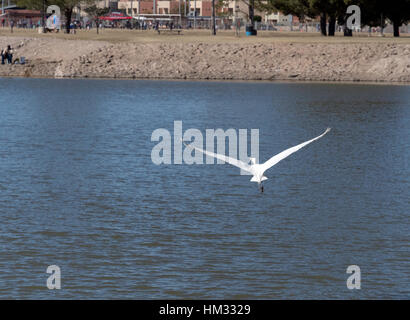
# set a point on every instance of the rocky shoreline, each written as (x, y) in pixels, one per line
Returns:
(59, 58)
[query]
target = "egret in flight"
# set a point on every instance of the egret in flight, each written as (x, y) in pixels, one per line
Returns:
(255, 169)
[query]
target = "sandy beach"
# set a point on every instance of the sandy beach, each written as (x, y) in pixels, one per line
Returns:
(196, 56)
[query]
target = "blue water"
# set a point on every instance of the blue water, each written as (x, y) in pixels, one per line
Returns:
(78, 189)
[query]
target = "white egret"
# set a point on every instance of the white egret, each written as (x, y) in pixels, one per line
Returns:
(258, 170)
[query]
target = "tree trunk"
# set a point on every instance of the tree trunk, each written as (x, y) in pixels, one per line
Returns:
(323, 25)
(68, 12)
(342, 20)
(396, 28)
(332, 26)
(213, 18)
(251, 11)
(347, 32)
(382, 26)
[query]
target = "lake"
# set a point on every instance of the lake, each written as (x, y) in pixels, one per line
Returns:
(78, 189)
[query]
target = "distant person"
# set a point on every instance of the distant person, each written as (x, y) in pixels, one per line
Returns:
(11, 25)
(7, 54)
(3, 56)
(72, 28)
(10, 53)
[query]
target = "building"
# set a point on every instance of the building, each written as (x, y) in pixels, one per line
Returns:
(148, 7)
(22, 18)
(203, 8)
(232, 10)
(277, 18)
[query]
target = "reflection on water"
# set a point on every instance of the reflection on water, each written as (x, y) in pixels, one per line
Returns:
(78, 189)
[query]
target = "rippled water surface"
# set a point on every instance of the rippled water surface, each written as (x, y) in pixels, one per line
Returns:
(78, 189)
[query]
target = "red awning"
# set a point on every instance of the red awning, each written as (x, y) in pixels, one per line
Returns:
(115, 16)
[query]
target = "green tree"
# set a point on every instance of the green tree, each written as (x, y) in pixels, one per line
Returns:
(299, 8)
(398, 12)
(94, 12)
(330, 11)
(66, 7)
(302, 9)
(374, 12)
(219, 6)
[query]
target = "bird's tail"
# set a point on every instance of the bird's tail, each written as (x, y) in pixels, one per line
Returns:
(255, 179)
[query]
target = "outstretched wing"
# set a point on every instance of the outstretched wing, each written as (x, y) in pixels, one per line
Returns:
(235, 162)
(284, 154)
